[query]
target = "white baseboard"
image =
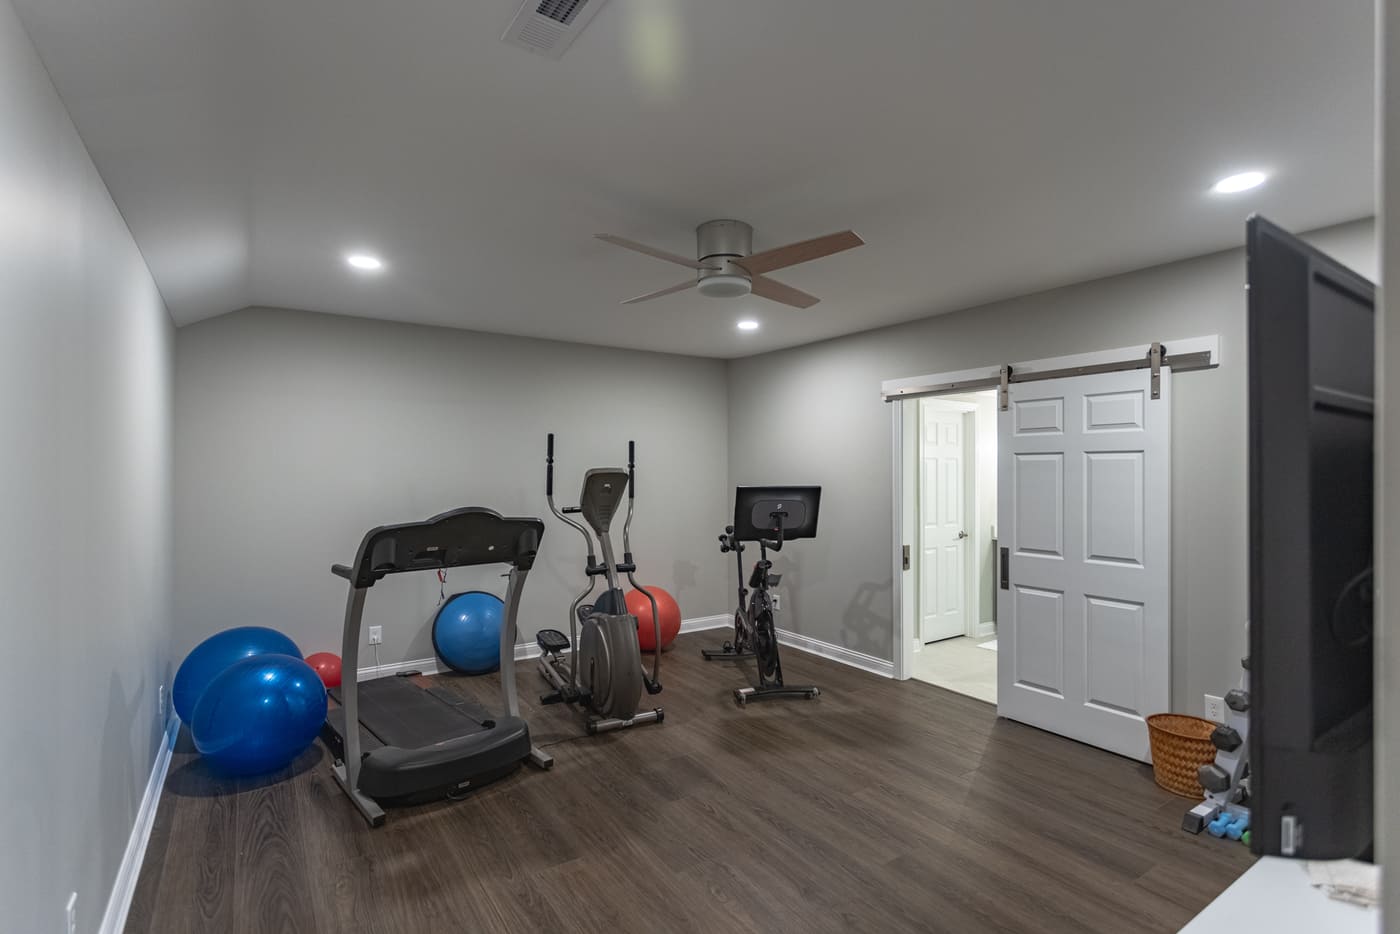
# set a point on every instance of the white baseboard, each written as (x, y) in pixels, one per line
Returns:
(427, 666)
(701, 623)
(878, 666)
(124, 888)
(984, 629)
(523, 651)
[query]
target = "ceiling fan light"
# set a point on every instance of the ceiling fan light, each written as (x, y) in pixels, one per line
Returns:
(724, 286)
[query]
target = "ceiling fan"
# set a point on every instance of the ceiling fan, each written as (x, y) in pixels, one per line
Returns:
(727, 267)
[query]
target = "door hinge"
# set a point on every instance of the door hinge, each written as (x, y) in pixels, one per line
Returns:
(1005, 387)
(1154, 357)
(906, 557)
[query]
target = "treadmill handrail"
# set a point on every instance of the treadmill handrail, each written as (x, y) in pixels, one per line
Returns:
(463, 537)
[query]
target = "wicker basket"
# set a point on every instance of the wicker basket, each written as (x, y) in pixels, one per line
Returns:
(1180, 746)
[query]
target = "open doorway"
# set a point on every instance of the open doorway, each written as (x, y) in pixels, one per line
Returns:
(951, 486)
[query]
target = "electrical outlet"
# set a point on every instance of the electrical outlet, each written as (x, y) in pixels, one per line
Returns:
(71, 913)
(1215, 708)
(376, 635)
(777, 601)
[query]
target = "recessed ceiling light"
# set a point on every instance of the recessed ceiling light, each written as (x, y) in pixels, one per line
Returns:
(365, 261)
(748, 324)
(1244, 181)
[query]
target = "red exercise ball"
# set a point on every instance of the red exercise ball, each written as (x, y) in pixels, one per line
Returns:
(327, 665)
(639, 606)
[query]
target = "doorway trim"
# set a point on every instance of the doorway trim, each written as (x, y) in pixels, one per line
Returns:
(1194, 353)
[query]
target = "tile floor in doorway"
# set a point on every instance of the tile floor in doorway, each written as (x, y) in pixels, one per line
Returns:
(959, 665)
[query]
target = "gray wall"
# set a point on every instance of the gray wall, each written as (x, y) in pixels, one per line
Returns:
(814, 415)
(1388, 474)
(298, 432)
(85, 473)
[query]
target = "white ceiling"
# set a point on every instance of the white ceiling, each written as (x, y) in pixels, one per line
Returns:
(983, 148)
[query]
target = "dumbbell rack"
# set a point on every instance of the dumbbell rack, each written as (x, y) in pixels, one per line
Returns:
(1225, 811)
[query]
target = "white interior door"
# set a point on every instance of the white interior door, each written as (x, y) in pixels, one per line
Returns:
(1084, 514)
(943, 529)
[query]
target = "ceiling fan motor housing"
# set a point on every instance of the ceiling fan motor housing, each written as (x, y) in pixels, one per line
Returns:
(718, 244)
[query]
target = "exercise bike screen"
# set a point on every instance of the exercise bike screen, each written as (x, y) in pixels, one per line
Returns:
(754, 509)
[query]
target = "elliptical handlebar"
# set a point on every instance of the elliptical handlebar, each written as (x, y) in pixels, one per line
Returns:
(653, 684)
(549, 496)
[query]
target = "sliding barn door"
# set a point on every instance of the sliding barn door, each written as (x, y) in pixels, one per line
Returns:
(1084, 638)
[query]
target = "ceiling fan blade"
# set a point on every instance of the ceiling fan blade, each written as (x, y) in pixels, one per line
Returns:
(794, 253)
(660, 292)
(771, 289)
(651, 251)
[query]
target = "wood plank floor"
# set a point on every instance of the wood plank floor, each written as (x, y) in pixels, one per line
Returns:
(882, 806)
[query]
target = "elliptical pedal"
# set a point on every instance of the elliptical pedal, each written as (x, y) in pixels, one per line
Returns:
(552, 641)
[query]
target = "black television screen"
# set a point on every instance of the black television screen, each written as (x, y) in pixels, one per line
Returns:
(1311, 414)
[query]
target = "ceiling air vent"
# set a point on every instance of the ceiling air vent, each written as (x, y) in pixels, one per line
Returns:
(548, 27)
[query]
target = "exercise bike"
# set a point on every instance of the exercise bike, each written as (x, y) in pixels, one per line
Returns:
(603, 670)
(769, 516)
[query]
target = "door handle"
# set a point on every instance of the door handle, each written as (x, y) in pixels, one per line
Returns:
(962, 534)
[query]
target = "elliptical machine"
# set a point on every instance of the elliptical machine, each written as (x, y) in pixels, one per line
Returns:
(769, 516)
(604, 670)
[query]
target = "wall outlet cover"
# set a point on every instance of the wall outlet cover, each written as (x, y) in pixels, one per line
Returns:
(376, 635)
(1215, 708)
(777, 601)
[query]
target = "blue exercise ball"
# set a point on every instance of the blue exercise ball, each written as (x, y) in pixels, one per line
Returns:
(209, 659)
(467, 632)
(259, 714)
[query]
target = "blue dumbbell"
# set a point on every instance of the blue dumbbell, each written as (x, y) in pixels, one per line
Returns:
(1217, 827)
(1237, 828)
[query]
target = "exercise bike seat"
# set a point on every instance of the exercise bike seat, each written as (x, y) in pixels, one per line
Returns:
(552, 641)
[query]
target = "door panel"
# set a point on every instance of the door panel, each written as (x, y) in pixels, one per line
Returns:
(1113, 411)
(1039, 489)
(1114, 507)
(1113, 670)
(1039, 652)
(1084, 630)
(1040, 417)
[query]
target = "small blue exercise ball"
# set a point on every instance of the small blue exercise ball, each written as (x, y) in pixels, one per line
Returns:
(259, 714)
(467, 632)
(209, 659)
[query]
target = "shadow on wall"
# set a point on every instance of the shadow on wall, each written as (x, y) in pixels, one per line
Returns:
(685, 575)
(121, 794)
(864, 628)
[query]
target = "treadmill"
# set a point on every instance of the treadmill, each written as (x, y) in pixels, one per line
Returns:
(417, 744)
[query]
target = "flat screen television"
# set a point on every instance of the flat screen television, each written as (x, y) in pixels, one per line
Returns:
(1311, 335)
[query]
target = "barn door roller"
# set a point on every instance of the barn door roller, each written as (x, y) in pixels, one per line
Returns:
(1156, 359)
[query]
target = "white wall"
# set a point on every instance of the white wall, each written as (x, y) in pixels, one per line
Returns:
(298, 432)
(834, 430)
(85, 476)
